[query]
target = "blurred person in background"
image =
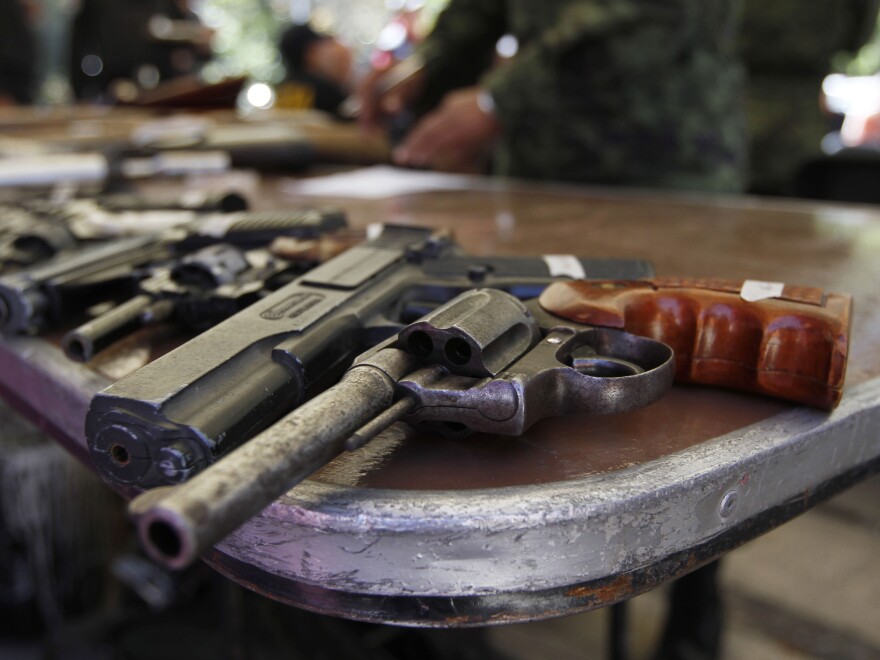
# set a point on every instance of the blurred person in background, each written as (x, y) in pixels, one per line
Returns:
(17, 54)
(631, 92)
(121, 46)
(787, 47)
(318, 70)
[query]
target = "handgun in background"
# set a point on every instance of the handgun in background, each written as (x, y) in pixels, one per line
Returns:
(204, 287)
(195, 291)
(185, 410)
(34, 299)
(35, 229)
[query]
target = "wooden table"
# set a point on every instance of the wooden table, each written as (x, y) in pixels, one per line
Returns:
(580, 512)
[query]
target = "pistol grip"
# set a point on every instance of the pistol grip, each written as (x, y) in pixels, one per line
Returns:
(793, 346)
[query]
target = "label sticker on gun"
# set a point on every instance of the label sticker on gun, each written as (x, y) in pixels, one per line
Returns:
(755, 290)
(564, 265)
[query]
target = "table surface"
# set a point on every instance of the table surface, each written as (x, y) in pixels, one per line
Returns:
(579, 512)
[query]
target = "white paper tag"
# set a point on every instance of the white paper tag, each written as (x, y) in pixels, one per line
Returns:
(564, 265)
(755, 290)
(374, 230)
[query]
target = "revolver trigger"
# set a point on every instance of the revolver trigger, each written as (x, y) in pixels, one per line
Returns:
(605, 367)
(586, 360)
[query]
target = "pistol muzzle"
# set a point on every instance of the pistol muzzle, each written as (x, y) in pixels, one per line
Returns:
(22, 305)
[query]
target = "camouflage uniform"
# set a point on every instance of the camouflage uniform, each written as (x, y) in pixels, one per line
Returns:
(638, 92)
(18, 71)
(787, 47)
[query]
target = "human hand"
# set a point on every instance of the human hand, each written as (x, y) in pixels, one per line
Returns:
(383, 94)
(456, 137)
(861, 129)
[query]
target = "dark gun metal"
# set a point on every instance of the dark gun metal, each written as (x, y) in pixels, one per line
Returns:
(34, 298)
(480, 362)
(197, 291)
(184, 411)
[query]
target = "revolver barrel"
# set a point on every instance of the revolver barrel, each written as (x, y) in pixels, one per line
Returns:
(178, 524)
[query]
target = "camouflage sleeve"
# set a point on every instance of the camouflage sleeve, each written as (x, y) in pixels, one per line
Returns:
(862, 17)
(643, 92)
(591, 41)
(788, 37)
(461, 45)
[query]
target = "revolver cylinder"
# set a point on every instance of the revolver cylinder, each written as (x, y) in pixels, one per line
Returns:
(476, 334)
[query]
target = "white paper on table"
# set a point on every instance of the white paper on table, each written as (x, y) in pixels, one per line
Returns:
(378, 182)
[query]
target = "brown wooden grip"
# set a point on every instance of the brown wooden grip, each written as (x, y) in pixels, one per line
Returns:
(793, 346)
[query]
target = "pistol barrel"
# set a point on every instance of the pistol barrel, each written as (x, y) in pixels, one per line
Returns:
(92, 337)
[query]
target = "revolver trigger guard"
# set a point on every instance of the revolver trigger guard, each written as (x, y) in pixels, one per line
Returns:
(596, 371)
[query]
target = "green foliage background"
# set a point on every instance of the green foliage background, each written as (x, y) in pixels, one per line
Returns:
(247, 31)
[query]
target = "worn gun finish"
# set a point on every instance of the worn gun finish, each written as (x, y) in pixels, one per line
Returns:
(182, 412)
(481, 362)
(33, 299)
